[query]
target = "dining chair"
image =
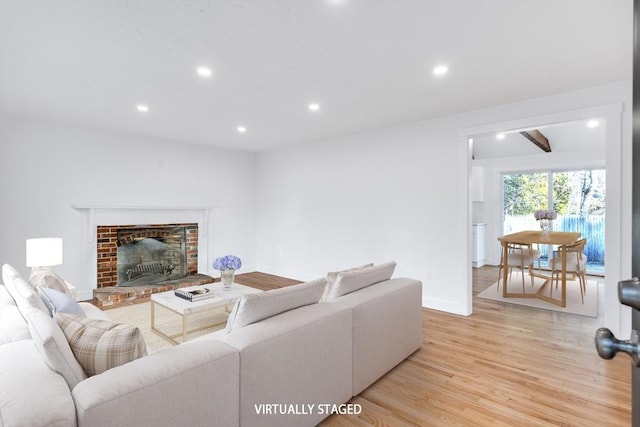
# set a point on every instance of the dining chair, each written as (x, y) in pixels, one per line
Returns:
(576, 265)
(536, 254)
(519, 256)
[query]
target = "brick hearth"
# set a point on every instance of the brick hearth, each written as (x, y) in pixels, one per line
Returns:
(115, 296)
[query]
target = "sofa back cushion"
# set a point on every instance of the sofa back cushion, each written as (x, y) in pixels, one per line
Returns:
(255, 307)
(21, 291)
(332, 276)
(99, 345)
(351, 281)
(53, 346)
(13, 327)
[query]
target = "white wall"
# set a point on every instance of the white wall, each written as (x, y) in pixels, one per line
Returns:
(373, 196)
(396, 193)
(402, 193)
(47, 168)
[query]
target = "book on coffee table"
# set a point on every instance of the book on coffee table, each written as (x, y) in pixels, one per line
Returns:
(194, 294)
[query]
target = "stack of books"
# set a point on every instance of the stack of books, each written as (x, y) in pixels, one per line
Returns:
(195, 294)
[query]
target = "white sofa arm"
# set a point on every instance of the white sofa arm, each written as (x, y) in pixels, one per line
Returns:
(198, 382)
(72, 289)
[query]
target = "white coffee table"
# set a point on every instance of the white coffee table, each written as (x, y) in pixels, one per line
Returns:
(185, 308)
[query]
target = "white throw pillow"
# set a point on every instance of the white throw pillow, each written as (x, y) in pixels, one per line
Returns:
(255, 307)
(353, 280)
(99, 345)
(53, 346)
(59, 302)
(332, 276)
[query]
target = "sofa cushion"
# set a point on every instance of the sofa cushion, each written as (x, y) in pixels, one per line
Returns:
(20, 290)
(193, 384)
(31, 394)
(13, 327)
(93, 312)
(59, 302)
(332, 276)
(99, 345)
(255, 307)
(5, 297)
(53, 347)
(299, 357)
(387, 327)
(353, 280)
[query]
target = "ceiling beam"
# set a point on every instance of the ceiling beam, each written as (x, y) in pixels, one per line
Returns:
(537, 138)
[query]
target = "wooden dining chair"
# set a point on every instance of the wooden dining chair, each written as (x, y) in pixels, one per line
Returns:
(576, 265)
(519, 256)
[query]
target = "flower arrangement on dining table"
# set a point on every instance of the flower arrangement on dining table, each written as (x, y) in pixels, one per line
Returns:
(545, 214)
(227, 265)
(545, 217)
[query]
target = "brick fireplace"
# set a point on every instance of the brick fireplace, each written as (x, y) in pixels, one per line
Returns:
(134, 261)
(145, 251)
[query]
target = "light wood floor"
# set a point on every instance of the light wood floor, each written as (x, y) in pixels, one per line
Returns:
(505, 365)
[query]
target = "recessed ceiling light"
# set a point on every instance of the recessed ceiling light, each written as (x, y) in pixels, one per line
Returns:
(241, 129)
(204, 71)
(314, 106)
(440, 70)
(593, 124)
(500, 135)
(142, 108)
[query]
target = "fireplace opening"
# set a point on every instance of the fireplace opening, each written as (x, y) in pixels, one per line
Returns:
(141, 255)
(147, 256)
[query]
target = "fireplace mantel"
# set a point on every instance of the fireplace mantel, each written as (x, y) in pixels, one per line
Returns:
(94, 215)
(107, 207)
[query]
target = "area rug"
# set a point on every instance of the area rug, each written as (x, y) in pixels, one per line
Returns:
(167, 321)
(574, 304)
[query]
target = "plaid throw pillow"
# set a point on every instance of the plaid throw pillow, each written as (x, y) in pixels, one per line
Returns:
(99, 345)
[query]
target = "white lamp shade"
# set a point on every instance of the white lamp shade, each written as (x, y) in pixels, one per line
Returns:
(44, 252)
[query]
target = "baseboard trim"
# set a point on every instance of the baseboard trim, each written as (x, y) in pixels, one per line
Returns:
(448, 306)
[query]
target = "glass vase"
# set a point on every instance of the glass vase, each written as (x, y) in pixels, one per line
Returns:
(545, 225)
(226, 276)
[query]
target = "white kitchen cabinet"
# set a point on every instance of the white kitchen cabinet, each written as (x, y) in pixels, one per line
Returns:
(479, 255)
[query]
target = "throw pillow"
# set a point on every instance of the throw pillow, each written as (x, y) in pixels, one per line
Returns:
(41, 278)
(58, 302)
(255, 307)
(353, 280)
(333, 275)
(99, 345)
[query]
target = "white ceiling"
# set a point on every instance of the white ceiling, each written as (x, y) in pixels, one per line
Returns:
(368, 63)
(568, 137)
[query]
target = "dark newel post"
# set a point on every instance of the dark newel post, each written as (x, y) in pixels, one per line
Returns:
(635, 413)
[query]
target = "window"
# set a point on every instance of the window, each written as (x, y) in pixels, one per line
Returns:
(577, 196)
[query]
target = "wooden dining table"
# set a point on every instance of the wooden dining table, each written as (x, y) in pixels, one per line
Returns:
(559, 238)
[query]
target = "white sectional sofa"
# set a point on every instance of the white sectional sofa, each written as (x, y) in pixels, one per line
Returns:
(281, 350)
